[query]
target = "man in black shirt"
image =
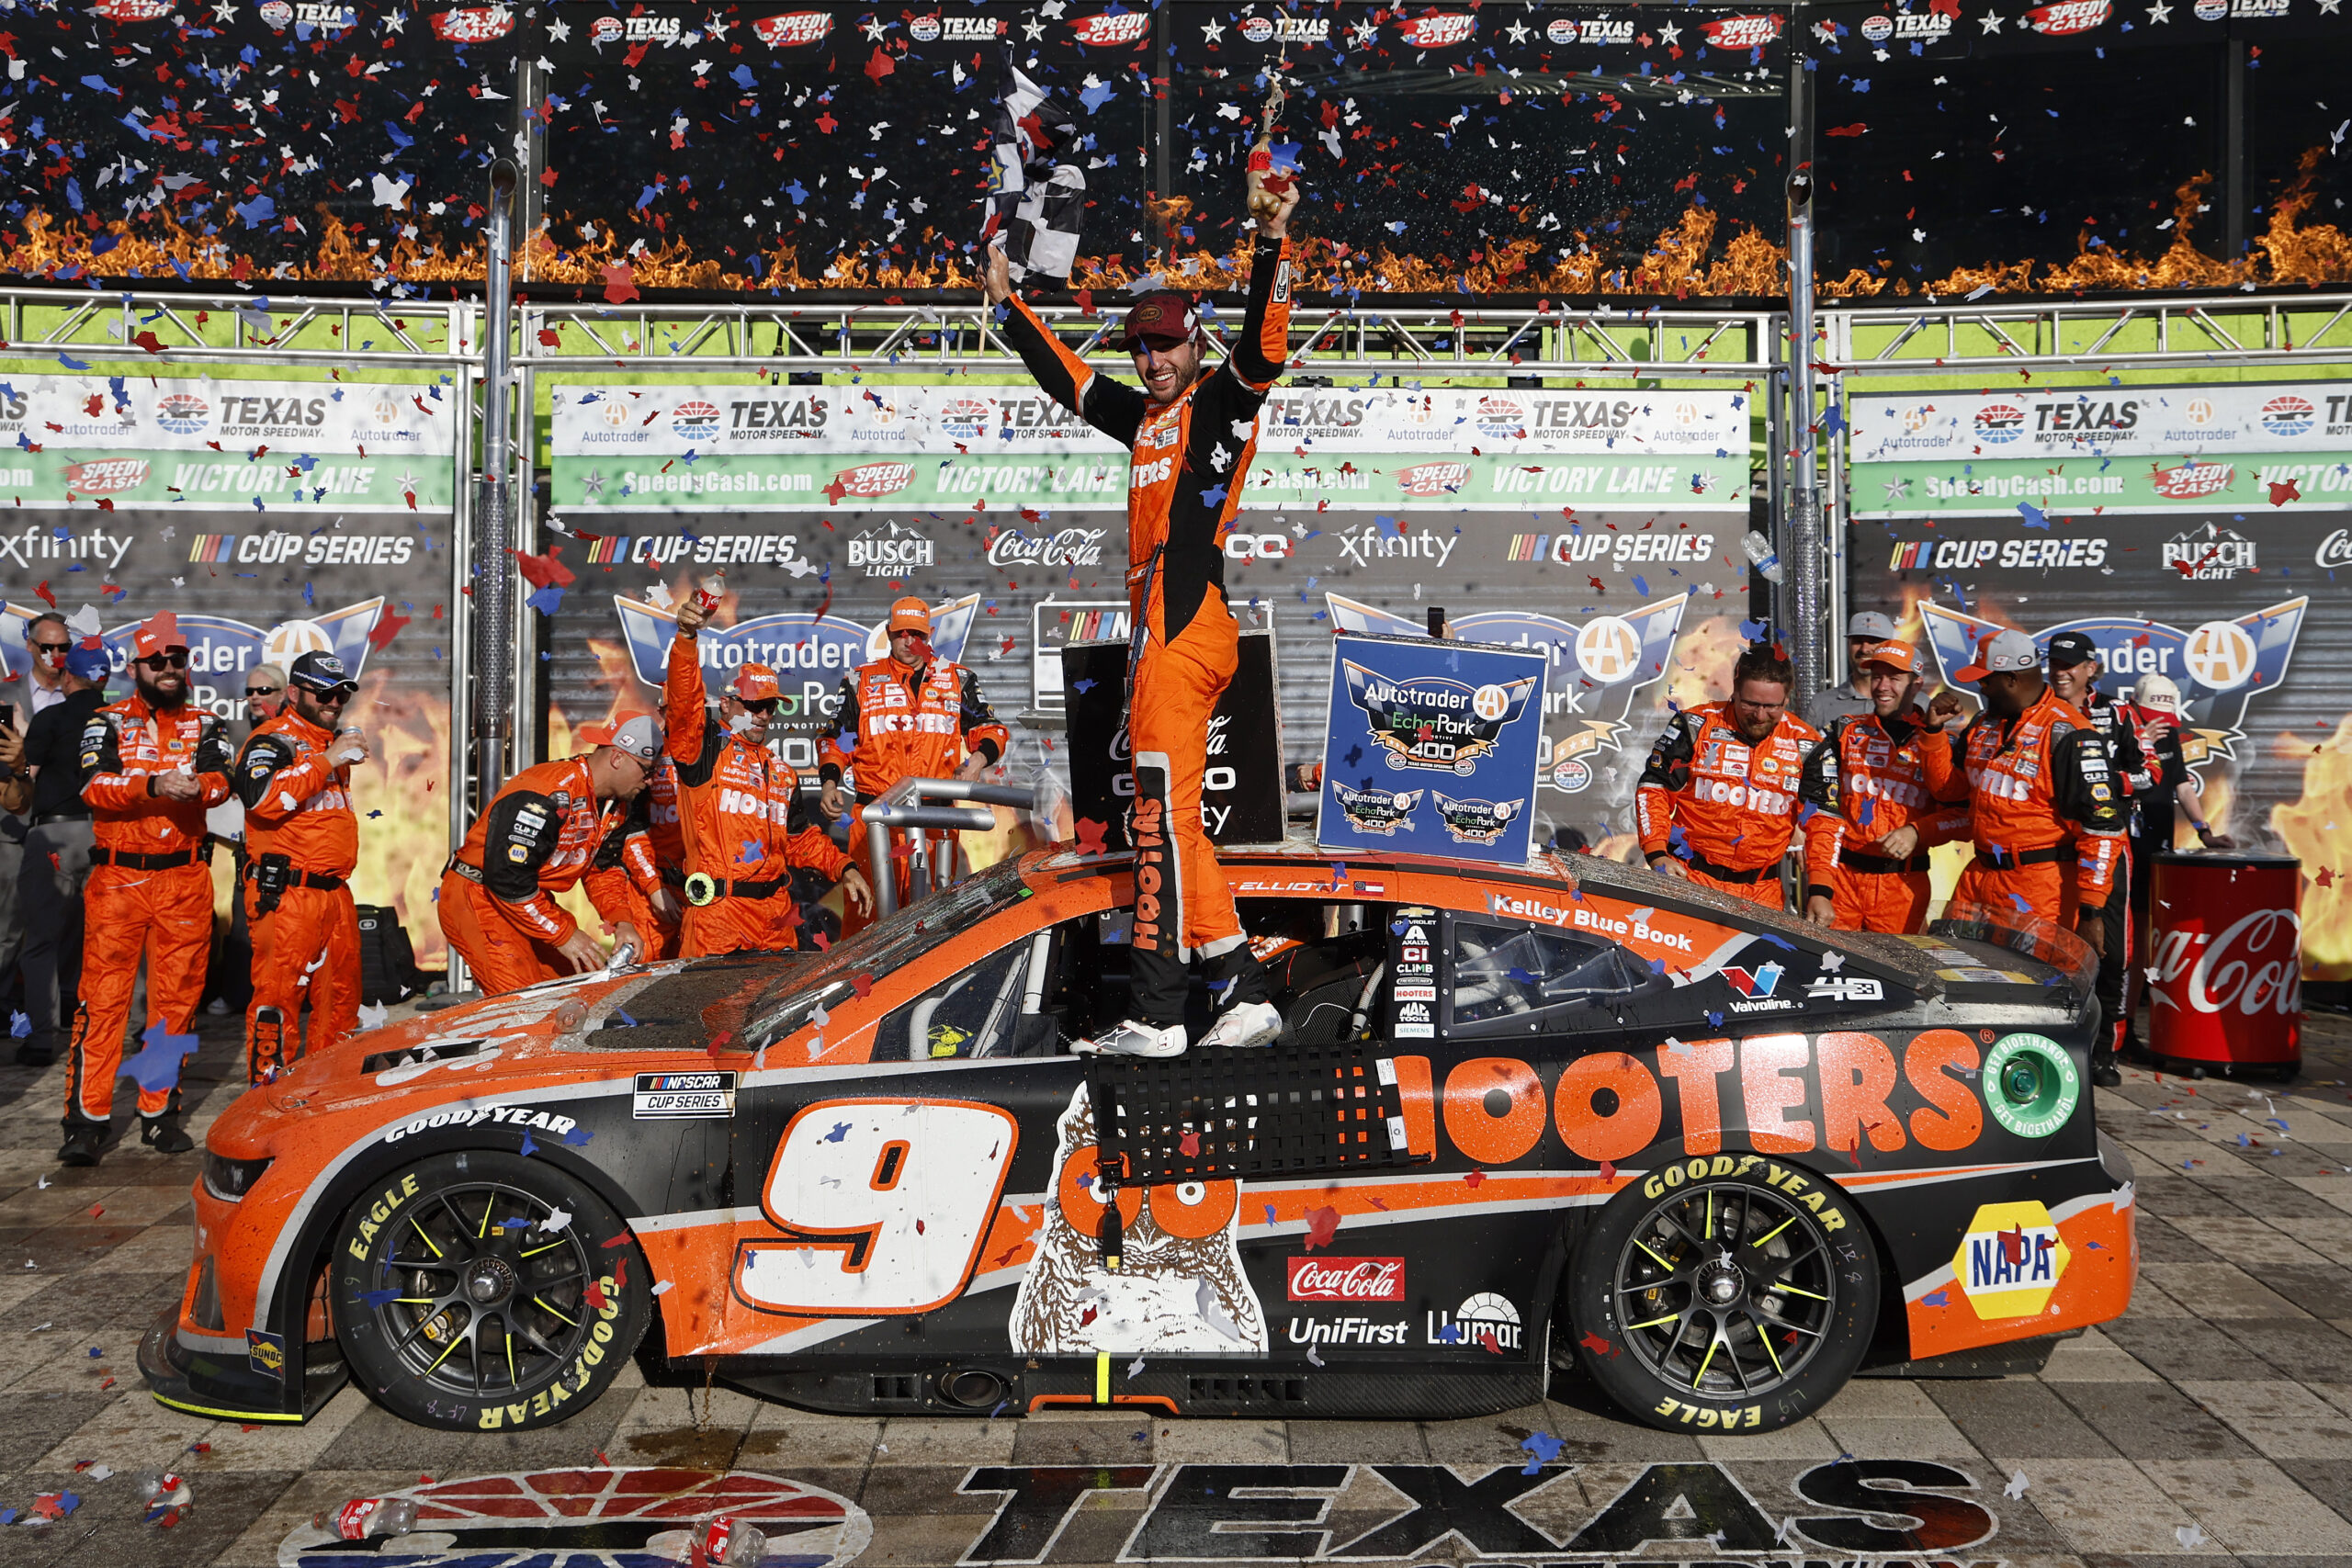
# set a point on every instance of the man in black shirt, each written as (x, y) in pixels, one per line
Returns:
(57, 856)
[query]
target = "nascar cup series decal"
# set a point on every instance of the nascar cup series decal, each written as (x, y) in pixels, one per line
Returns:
(1377, 811)
(595, 1518)
(1180, 1284)
(1435, 723)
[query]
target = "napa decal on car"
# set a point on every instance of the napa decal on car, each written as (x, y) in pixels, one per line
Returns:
(2010, 1260)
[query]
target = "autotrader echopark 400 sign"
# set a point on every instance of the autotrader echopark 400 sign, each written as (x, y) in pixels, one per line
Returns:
(1432, 746)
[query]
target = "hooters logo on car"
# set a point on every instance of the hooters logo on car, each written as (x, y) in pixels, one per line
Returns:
(132, 10)
(106, 476)
(1111, 28)
(792, 29)
(2069, 16)
(1999, 423)
(1742, 32)
(1433, 478)
(1347, 1279)
(475, 24)
(870, 480)
(2191, 480)
(1439, 29)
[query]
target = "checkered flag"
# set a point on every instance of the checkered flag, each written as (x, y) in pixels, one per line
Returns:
(1034, 202)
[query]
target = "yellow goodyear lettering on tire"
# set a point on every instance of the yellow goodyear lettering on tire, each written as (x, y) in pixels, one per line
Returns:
(600, 1333)
(1706, 1416)
(372, 1221)
(493, 1416)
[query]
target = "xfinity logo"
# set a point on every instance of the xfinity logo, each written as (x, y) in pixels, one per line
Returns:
(1365, 544)
(899, 552)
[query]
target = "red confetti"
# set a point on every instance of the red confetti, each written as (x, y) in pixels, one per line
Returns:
(1322, 1225)
(620, 283)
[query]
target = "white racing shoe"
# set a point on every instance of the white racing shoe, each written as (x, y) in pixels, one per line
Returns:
(1245, 1023)
(1133, 1039)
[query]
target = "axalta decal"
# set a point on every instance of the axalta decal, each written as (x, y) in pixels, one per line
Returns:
(527, 1117)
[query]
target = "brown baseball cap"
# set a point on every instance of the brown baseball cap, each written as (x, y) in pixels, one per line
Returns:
(1163, 318)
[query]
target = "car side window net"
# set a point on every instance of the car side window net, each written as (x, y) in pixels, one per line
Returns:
(1523, 974)
(972, 1013)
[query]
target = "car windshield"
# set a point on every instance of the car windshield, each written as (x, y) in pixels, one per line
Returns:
(794, 996)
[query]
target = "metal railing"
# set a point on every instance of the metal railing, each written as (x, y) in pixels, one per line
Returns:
(931, 805)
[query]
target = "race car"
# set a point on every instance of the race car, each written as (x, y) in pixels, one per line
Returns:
(1519, 1119)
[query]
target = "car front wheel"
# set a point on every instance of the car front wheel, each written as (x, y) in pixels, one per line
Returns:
(486, 1292)
(1727, 1293)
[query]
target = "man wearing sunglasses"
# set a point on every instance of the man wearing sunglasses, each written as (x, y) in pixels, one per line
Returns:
(48, 900)
(301, 842)
(913, 714)
(546, 830)
(151, 765)
(739, 809)
(43, 686)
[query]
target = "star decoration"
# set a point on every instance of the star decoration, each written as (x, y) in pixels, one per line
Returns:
(395, 20)
(406, 481)
(715, 27)
(1991, 23)
(1032, 29)
(1668, 33)
(2328, 7)
(1366, 33)
(224, 11)
(1211, 30)
(1518, 32)
(1898, 489)
(2160, 12)
(559, 30)
(593, 484)
(874, 28)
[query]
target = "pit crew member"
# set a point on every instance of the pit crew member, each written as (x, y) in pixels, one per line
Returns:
(1718, 801)
(1873, 822)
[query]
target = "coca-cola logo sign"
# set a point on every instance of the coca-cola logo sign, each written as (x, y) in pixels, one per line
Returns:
(106, 476)
(473, 25)
(2335, 549)
(1347, 1279)
(2191, 480)
(1071, 547)
(1111, 28)
(793, 29)
(1438, 29)
(2255, 966)
(1742, 32)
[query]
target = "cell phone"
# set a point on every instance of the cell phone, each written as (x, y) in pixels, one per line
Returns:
(8, 715)
(1437, 621)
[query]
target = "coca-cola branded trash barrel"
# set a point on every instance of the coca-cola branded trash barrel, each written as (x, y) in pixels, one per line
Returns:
(2226, 946)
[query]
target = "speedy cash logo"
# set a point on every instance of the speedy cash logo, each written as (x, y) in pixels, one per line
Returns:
(868, 480)
(2192, 481)
(1742, 32)
(2068, 16)
(473, 24)
(2288, 415)
(1422, 480)
(1347, 1279)
(106, 476)
(1110, 29)
(794, 29)
(1438, 29)
(133, 10)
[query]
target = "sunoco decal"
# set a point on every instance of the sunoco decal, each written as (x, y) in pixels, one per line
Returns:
(1435, 723)
(1376, 810)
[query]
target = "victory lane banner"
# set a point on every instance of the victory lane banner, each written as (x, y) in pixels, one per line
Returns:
(274, 518)
(1432, 747)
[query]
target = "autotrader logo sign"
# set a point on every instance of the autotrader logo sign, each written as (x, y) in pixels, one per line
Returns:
(1347, 1279)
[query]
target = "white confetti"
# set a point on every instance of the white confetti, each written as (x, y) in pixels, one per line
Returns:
(2018, 1483)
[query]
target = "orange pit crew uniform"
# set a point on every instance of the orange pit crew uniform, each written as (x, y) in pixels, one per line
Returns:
(2040, 794)
(1864, 782)
(545, 830)
(741, 817)
(1184, 477)
(899, 724)
(1734, 806)
(306, 934)
(150, 888)
(667, 867)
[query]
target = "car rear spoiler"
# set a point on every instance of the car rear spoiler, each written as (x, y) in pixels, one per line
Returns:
(2020, 932)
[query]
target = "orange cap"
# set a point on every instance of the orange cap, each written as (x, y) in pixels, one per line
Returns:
(1902, 655)
(753, 682)
(910, 614)
(159, 633)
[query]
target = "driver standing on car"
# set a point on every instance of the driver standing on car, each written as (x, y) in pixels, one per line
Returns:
(1872, 820)
(1718, 800)
(2041, 793)
(739, 809)
(540, 836)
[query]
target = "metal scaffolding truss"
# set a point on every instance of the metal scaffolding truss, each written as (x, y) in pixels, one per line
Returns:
(238, 329)
(2077, 336)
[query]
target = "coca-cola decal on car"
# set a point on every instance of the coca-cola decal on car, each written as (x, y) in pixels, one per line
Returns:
(1347, 1279)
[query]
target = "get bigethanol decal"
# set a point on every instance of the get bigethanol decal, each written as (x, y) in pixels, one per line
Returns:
(2030, 1085)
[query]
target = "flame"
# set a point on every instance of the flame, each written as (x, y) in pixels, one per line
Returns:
(406, 779)
(2307, 827)
(1683, 262)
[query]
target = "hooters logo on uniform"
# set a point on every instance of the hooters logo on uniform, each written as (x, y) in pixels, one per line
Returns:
(794, 29)
(1742, 32)
(1347, 1279)
(1158, 898)
(1110, 29)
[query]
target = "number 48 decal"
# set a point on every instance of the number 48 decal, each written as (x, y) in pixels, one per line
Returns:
(885, 1202)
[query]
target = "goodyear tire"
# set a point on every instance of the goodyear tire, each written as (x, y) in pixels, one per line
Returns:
(1733, 1293)
(486, 1292)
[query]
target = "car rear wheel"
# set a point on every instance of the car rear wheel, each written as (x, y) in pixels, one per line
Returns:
(485, 1291)
(1725, 1293)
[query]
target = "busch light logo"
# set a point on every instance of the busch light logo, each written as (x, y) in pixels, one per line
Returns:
(1997, 425)
(2219, 666)
(183, 414)
(1377, 811)
(1476, 821)
(1598, 669)
(695, 421)
(2288, 415)
(891, 551)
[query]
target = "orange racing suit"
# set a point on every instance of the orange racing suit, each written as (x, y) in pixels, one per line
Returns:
(667, 867)
(742, 823)
(305, 927)
(895, 723)
(150, 888)
(1864, 782)
(1184, 478)
(544, 831)
(1727, 808)
(2040, 793)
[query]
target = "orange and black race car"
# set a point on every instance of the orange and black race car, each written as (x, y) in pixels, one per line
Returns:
(1519, 1119)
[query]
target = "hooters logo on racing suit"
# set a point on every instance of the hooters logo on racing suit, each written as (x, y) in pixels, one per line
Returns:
(1742, 32)
(794, 29)
(1108, 31)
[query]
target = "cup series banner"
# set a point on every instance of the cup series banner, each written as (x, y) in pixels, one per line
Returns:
(2221, 515)
(1600, 527)
(275, 518)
